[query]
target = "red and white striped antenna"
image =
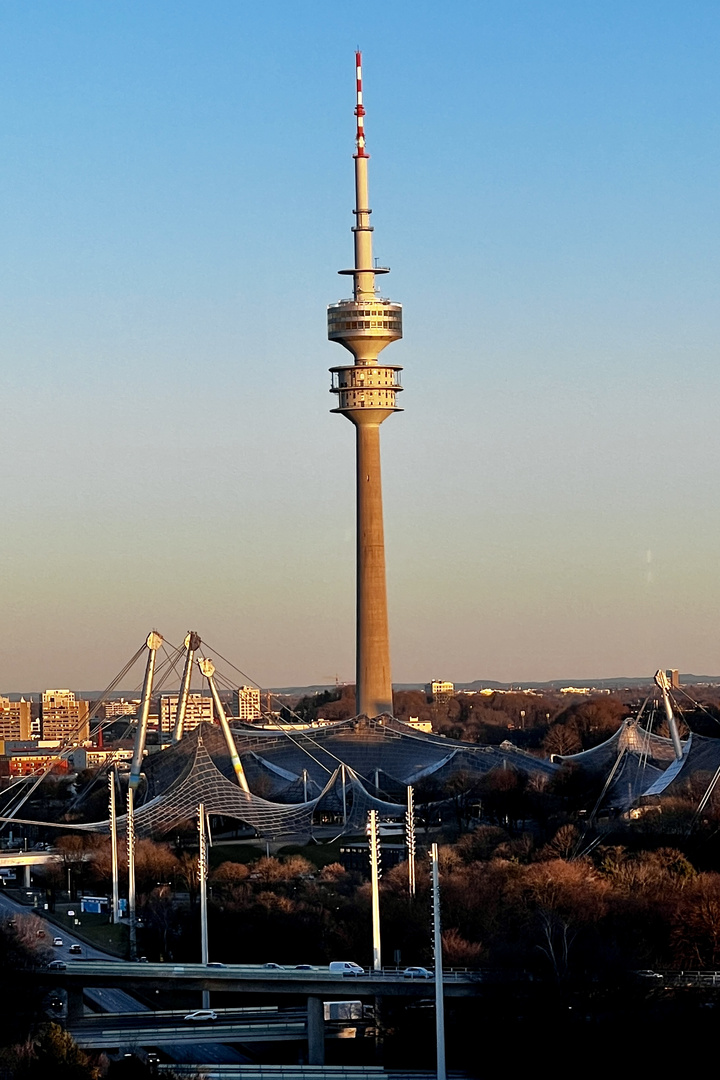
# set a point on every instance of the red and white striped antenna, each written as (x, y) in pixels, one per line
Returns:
(360, 109)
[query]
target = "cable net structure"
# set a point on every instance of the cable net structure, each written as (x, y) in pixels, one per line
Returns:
(636, 762)
(340, 771)
(280, 777)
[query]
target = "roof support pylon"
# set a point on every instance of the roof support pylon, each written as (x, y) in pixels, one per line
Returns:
(154, 642)
(208, 669)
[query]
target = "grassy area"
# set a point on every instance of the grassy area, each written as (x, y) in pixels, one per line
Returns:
(94, 930)
(318, 854)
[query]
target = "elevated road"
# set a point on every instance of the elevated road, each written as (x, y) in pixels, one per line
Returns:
(256, 980)
(110, 997)
(160, 1029)
(109, 1032)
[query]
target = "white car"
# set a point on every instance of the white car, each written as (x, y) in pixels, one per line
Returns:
(417, 973)
(57, 941)
(201, 1014)
(345, 967)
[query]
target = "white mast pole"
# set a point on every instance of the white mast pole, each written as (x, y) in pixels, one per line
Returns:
(114, 847)
(202, 882)
(375, 878)
(410, 839)
(202, 879)
(437, 945)
(131, 873)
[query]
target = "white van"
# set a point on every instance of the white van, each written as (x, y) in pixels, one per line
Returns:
(345, 967)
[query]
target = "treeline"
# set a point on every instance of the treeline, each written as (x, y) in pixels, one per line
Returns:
(547, 723)
(560, 908)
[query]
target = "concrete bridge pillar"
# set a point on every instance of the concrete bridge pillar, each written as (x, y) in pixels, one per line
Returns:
(315, 1031)
(75, 1008)
(27, 875)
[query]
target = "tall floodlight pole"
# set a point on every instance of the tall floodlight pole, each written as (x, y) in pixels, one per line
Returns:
(153, 643)
(130, 820)
(202, 880)
(366, 391)
(192, 644)
(208, 669)
(202, 883)
(410, 838)
(374, 844)
(437, 946)
(113, 845)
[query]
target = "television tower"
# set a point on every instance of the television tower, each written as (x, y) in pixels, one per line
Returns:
(366, 395)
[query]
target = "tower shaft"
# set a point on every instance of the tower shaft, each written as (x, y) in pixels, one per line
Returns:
(374, 682)
(367, 391)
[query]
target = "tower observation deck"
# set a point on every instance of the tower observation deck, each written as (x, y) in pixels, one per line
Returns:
(367, 392)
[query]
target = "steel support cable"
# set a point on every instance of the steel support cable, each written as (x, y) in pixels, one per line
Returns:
(704, 800)
(609, 780)
(249, 680)
(229, 685)
(67, 747)
(86, 827)
(284, 731)
(698, 705)
(646, 732)
(165, 669)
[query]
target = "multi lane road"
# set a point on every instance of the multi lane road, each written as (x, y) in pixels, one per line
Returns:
(111, 999)
(161, 1029)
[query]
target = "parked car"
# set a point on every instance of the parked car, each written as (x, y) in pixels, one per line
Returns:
(201, 1014)
(57, 941)
(417, 973)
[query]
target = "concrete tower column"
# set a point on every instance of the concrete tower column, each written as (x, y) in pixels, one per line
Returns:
(367, 390)
(374, 682)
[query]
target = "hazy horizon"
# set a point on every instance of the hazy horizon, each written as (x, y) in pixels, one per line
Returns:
(177, 192)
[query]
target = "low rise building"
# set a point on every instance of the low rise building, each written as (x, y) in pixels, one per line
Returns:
(24, 757)
(439, 690)
(121, 707)
(418, 724)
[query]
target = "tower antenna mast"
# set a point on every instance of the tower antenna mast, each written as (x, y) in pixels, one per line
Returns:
(367, 392)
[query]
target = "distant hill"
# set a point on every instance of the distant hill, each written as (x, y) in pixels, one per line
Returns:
(619, 682)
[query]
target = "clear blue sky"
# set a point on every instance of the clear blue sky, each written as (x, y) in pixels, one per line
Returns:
(175, 196)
